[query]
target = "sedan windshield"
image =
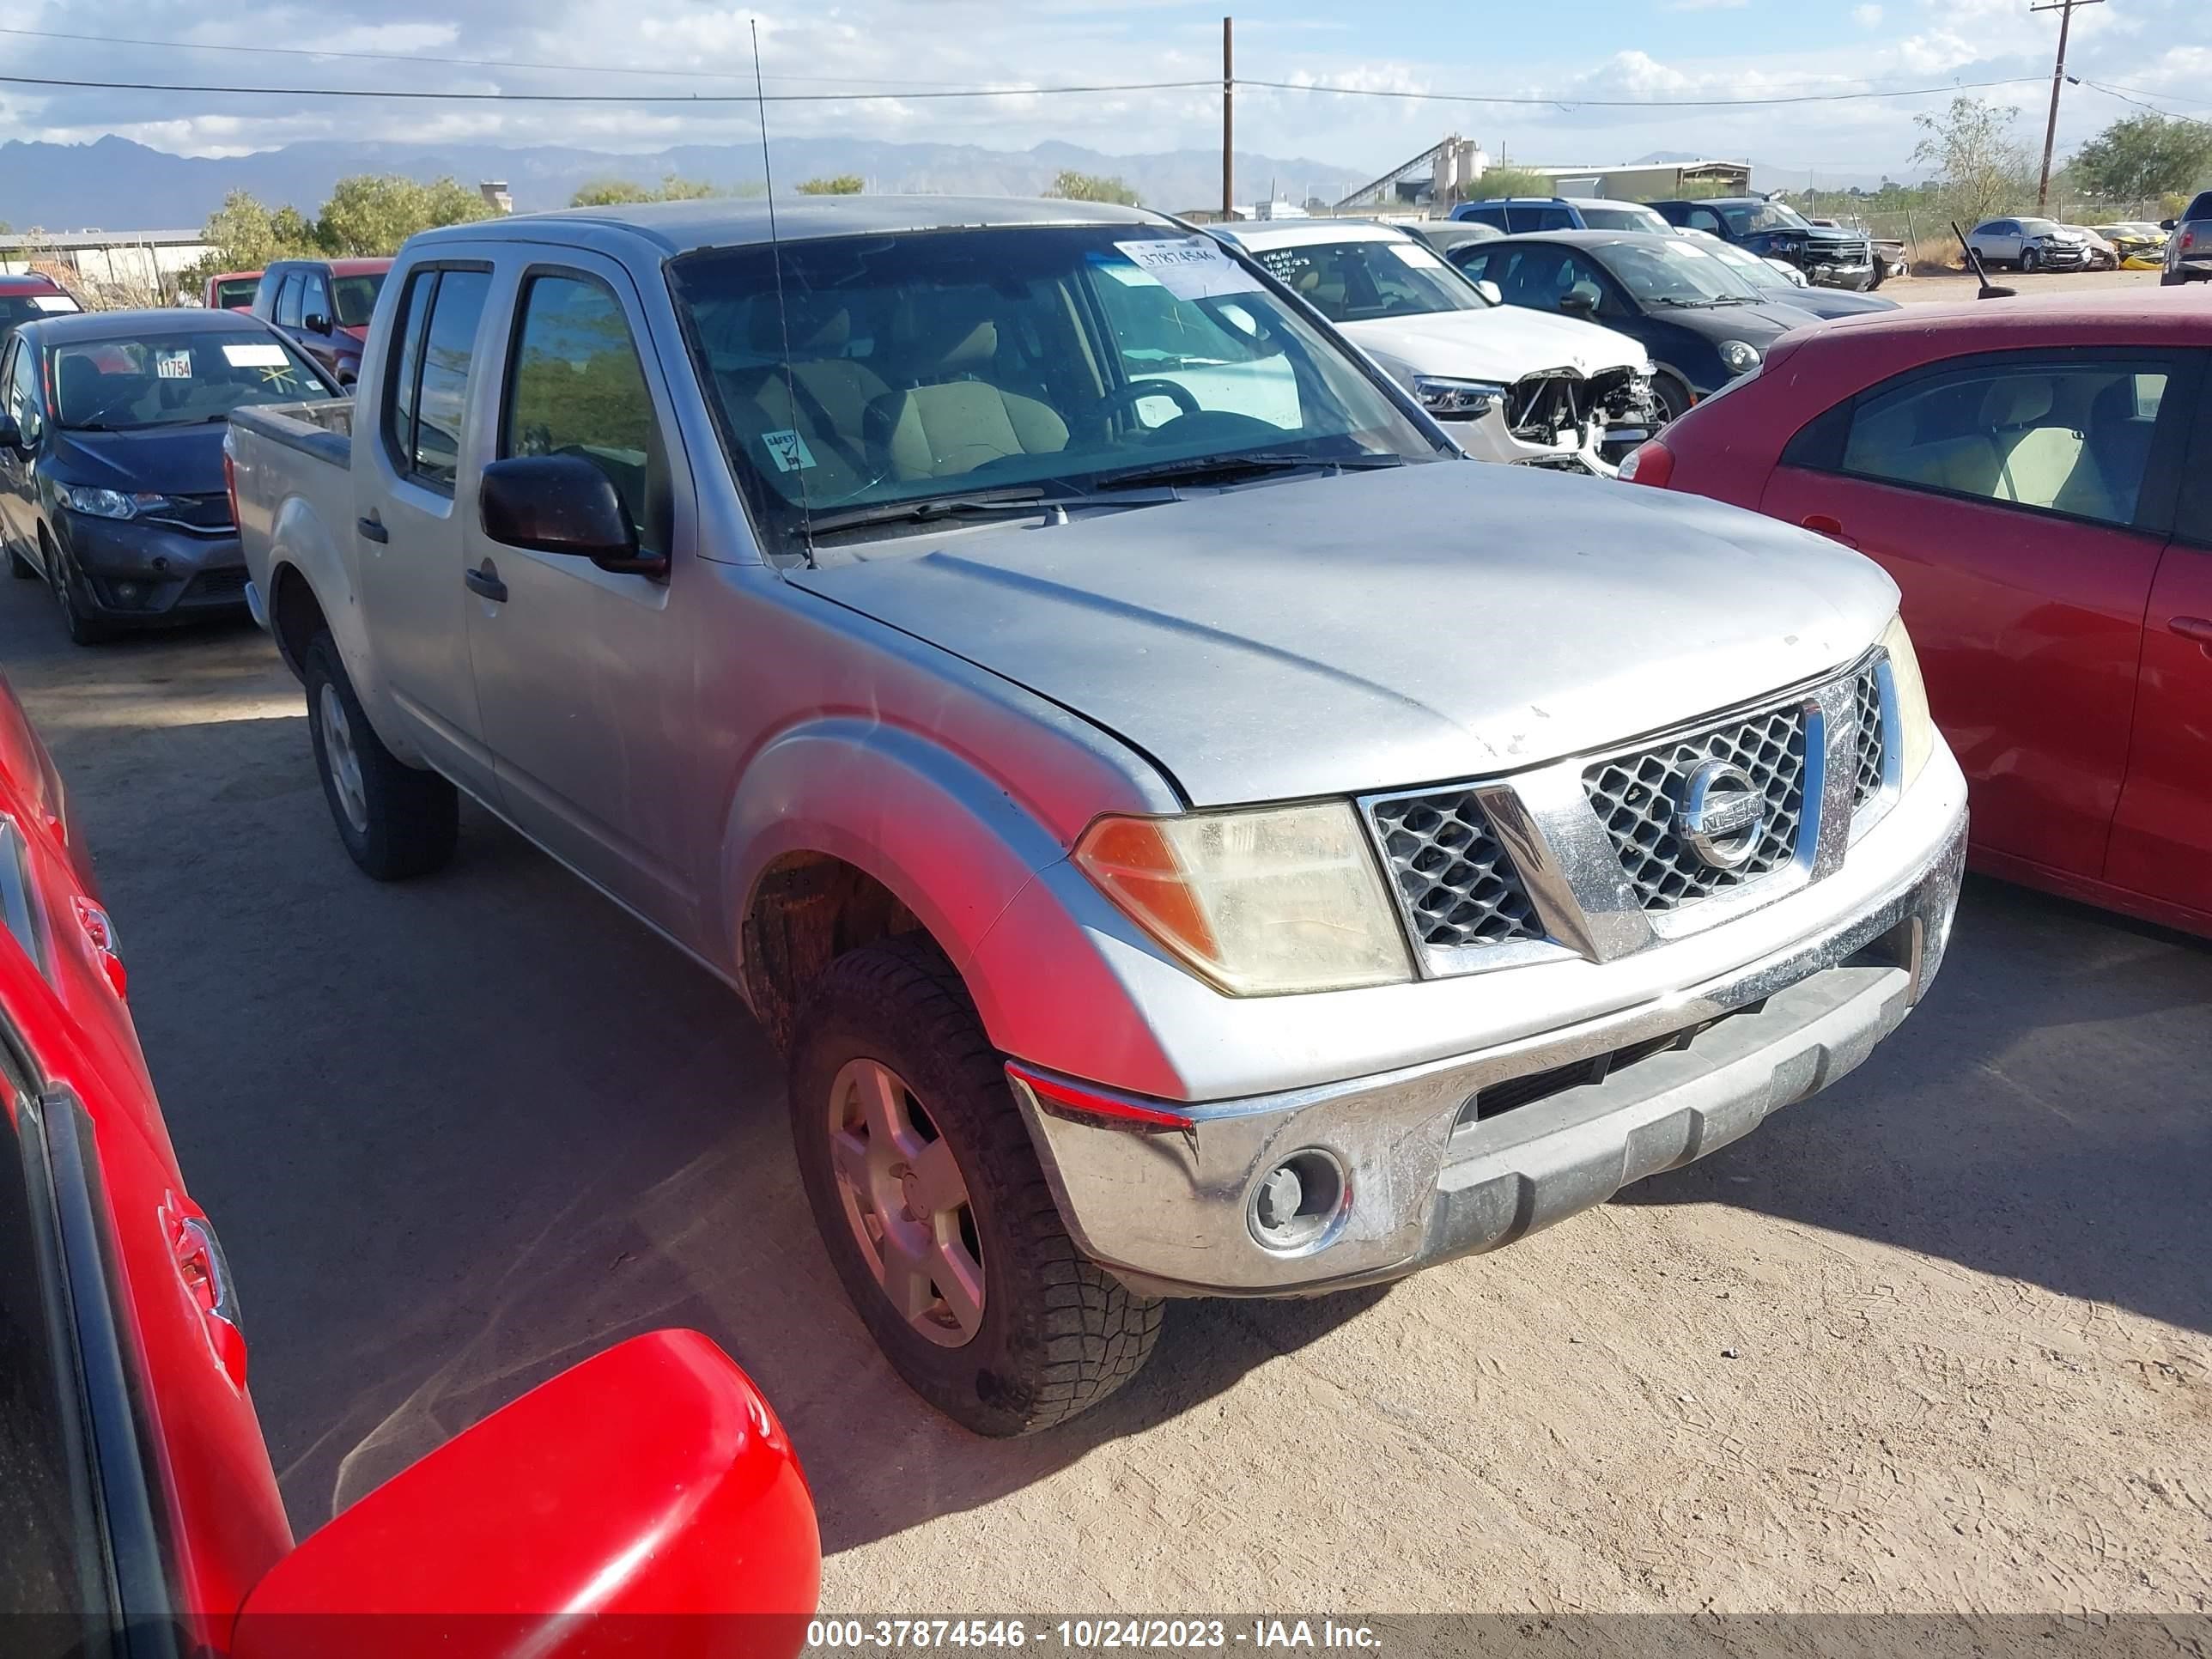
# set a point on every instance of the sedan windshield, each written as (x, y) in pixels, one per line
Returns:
(153, 379)
(355, 297)
(1673, 271)
(943, 363)
(19, 308)
(1763, 216)
(1358, 282)
(1627, 216)
(1746, 263)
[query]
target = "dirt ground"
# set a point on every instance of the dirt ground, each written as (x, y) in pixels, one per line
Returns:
(1936, 1341)
(1915, 290)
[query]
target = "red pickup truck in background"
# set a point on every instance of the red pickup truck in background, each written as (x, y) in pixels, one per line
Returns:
(652, 1480)
(232, 290)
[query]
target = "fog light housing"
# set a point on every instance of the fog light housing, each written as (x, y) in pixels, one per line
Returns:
(128, 592)
(1298, 1207)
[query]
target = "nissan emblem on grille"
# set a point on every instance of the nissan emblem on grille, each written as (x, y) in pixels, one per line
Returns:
(1722, 812)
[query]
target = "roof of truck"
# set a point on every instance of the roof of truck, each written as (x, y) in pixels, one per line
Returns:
(681, 227)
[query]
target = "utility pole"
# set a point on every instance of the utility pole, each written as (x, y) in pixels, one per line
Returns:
(2065, 10)
(1228, 121)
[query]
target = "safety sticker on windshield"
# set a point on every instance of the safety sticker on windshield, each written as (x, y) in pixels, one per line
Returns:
(1413, 254)
(788, 450)
(1190, 268)
(172, 365)
(257, 354)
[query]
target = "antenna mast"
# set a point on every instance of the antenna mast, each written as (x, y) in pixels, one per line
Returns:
(782, 314)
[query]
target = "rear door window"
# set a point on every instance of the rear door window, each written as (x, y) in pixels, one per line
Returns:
(314, 297)
(428, 394)
(1492, 216)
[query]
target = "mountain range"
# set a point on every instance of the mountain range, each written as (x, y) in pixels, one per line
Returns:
(115, 184)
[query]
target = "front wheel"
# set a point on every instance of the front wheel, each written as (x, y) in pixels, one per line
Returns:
(21, 568)
(395, 822)
(2029, 259)
(937, 1217)
(81, 627)
(1673, 398)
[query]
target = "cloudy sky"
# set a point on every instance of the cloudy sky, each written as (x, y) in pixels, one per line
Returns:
(1567, 56)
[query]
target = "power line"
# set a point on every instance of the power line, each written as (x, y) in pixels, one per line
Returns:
(1569, 100)
(595, 97)
(460, 63)
(2118, 92)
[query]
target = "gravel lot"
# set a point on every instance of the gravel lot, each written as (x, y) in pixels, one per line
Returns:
(1915, 290)
(1935, 1340)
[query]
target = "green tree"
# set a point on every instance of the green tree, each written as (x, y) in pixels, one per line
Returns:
(372, 213)
(2143, 157)
(1074, 186)
(841, 184)
(615, 192)
(1981, 167)
(1509, 181)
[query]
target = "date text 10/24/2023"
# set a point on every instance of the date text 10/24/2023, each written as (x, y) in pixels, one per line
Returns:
(1259, 1635)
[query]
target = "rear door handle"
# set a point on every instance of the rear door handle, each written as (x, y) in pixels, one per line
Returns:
(1826, 525)
(486, 582)
(2199, 628)
(373, 527)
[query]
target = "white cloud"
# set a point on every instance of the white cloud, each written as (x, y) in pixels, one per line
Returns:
(1866, 17)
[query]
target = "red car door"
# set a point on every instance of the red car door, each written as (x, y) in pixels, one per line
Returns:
(2162, 835)
(2002, 492)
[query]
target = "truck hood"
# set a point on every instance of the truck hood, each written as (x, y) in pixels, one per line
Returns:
(1338, 634)
(1501, 344)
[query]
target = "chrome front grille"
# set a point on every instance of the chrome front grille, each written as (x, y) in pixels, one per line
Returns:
(1458, 885)
(1639, 797)
(1873, 749)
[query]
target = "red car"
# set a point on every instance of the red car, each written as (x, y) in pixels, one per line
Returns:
(136, 1493)
(2037, 476)
(24, 299)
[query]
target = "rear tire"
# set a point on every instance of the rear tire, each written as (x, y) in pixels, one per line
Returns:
(396, 820)
(1040, 1332)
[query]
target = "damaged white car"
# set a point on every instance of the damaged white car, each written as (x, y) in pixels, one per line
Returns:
(1508, 383)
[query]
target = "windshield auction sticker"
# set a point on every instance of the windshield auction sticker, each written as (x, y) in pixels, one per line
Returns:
(173, 365)
(1190, 268)
(256, 353)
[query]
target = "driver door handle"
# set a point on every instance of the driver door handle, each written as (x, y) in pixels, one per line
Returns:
(2199, 628)
(373, 527)
(485, 580)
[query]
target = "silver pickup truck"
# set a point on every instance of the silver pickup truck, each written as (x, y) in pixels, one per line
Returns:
(1191, 832)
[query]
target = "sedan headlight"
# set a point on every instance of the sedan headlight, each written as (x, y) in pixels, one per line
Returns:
(1259, 902)
(1738, 355)
(1916, 729)
(109, 504)
(1457, 400)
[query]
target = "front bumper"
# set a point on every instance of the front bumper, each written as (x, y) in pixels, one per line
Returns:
(135, 570)
(1432, 1172)
(1856, 274)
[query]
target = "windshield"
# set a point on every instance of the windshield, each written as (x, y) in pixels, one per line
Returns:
(1623, 218)
(1745, 263)
(934, 364)
(1763, 216)
(17, 308)
(355, 297)
(2038, 227)
(237, 292)
(1358, 282)
(1674, 270)
(124, 385)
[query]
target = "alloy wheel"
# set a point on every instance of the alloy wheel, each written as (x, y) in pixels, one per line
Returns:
(906, 1203)
(345, 762)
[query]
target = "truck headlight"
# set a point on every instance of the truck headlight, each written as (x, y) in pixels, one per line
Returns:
(109, 503)
(1737, 355)
(1259, 902)
(1457, 400)
(1916, 729)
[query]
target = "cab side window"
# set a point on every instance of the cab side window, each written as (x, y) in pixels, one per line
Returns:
(428, 388)
(23, 393)
(314, 297)
(288, 300)
(577, 387)
(2055, 435)
(1706, 219)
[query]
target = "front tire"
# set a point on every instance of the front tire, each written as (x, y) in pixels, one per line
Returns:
(82, 628)
(396, 820)
(21, 568)
(937, 1217)
(1673, 398)
(2029, 259)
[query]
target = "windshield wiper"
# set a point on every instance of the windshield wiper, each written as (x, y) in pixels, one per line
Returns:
(1201, 468)
(1021, 499)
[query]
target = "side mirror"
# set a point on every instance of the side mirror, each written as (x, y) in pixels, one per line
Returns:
(1579, 301)
(1490, 291)
(650, 1479)
(2166, 224)
(315, 323)
(10, 434)
(563, 504)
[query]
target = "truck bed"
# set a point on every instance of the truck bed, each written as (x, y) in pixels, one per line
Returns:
(322, 429)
